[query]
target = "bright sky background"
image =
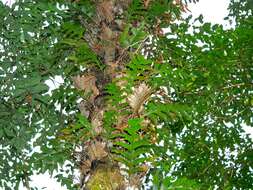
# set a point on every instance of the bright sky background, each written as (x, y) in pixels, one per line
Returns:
(213, 11)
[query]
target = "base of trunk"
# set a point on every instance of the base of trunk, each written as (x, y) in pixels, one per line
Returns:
(106, 177)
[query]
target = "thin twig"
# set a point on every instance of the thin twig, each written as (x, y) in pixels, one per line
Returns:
(237, 85)
(131, 45)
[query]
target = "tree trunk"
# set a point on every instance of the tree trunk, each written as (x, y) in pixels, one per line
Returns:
(98, 168)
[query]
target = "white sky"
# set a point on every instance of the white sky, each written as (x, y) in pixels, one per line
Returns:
(8, 2)
(213, 11)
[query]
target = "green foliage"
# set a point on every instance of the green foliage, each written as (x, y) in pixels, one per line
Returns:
(28, 116)
(115, 99)
(78, 132)
(138, 70)
(81, 54)
(241, 11)
(170, 113)
(155, 10)
(197, 124)
(133, 37)
(132, 146)
(184, 183)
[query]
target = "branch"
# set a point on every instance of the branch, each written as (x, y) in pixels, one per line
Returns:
(237, 85)
(201, 92)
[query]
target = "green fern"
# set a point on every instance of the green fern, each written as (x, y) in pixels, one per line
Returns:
(77, 132)
(132, 146)
(159, 112)
(81, 53)
(138, 70)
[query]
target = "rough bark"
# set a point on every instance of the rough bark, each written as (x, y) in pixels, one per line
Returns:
(98, 169)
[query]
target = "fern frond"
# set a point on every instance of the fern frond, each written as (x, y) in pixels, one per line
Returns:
(139, 97)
